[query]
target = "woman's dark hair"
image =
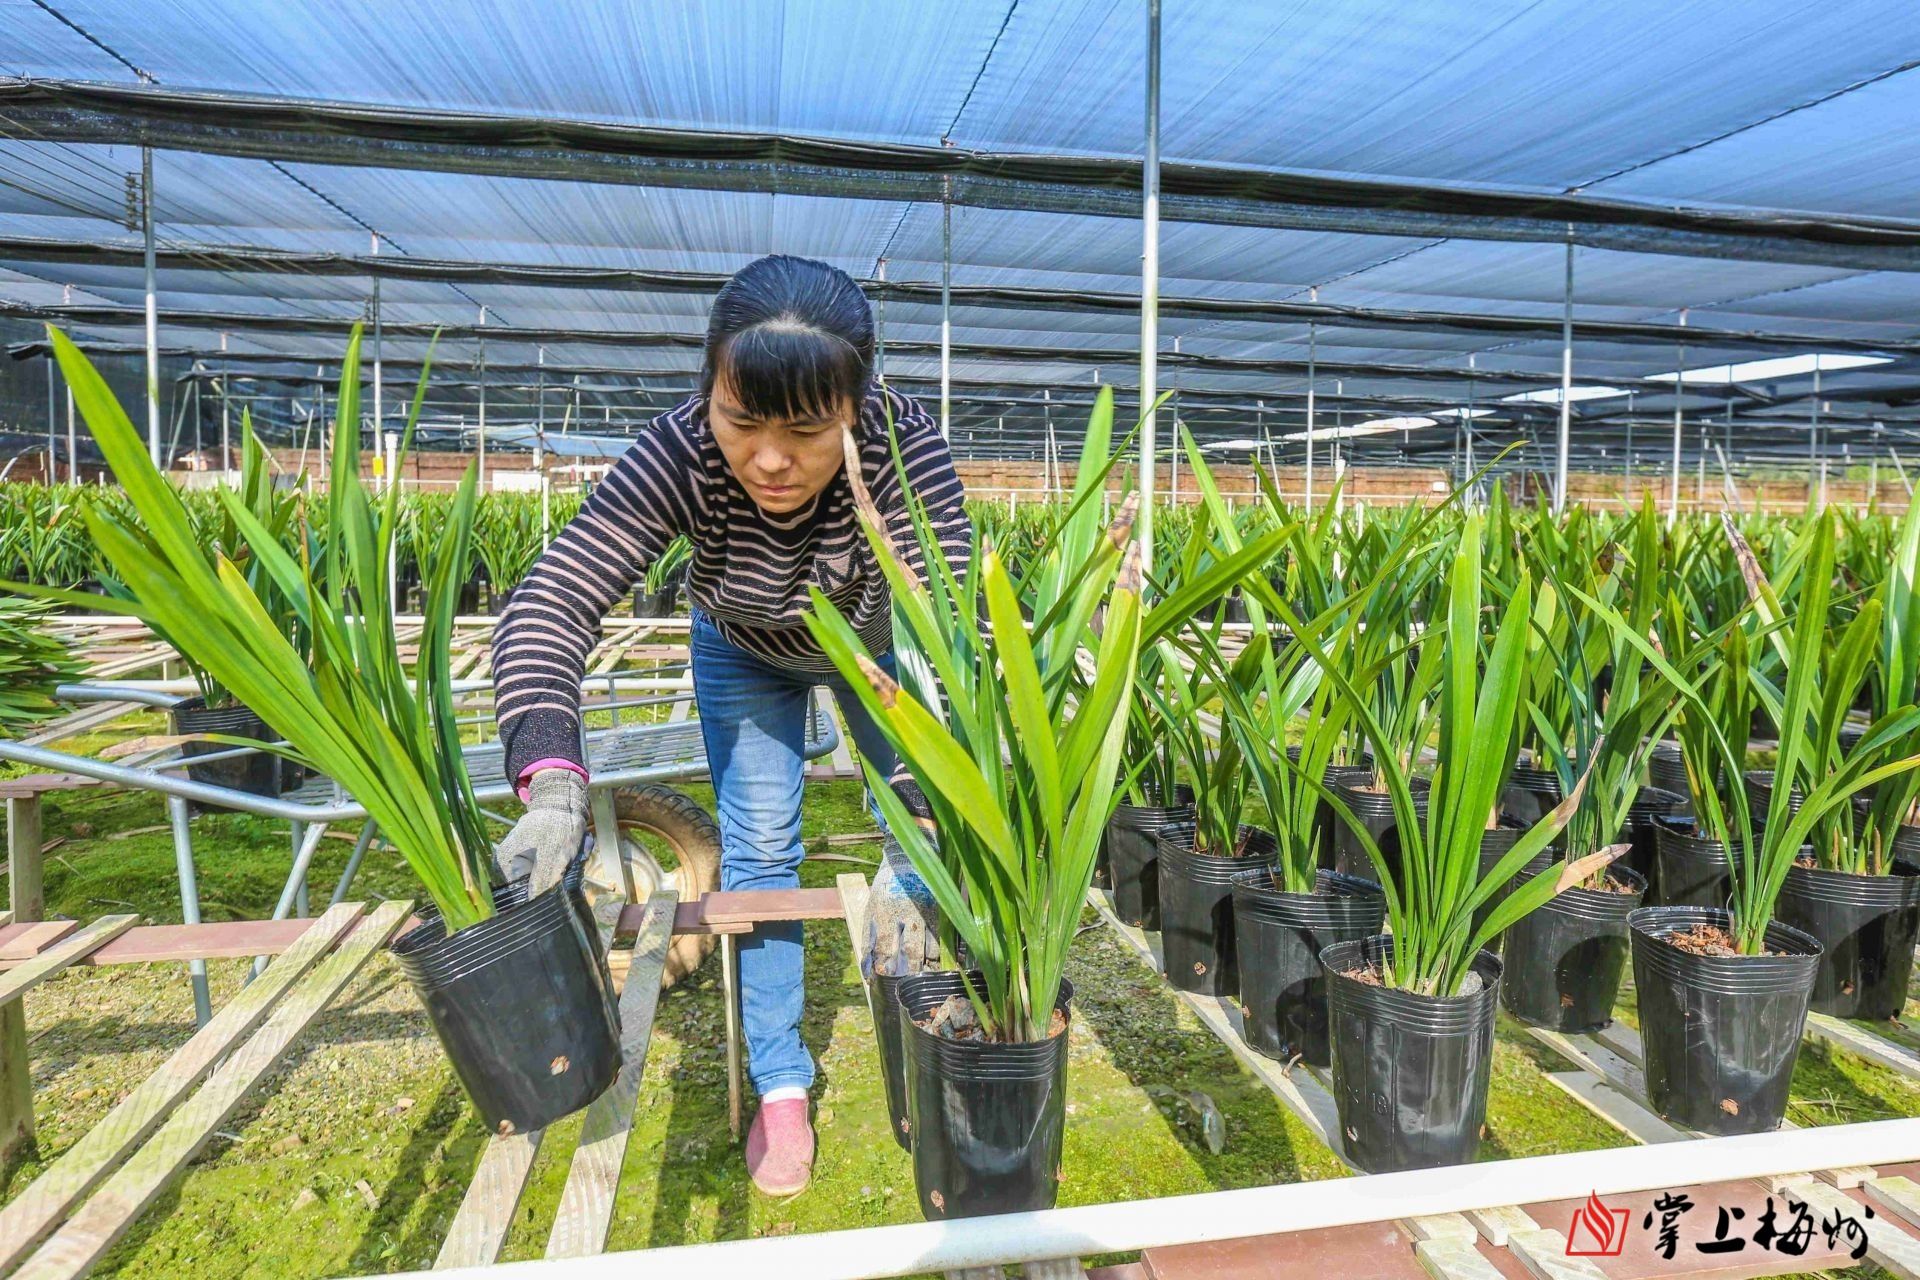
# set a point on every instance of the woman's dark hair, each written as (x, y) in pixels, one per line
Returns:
(793, 338)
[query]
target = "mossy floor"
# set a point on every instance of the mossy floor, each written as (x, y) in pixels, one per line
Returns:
(354, 1156)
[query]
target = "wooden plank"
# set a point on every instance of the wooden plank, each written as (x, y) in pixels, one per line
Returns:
(25, 1221)
(686, 919)
(1439, 1227)
(586, 1204)
(755, 906)
(17, 981)
(153, 943)
(28, 939)
(1500, 1224)
(480, 1227)
(35, 784)
(1454, 1260)
(1623, 1040)
(1899, 1196)
(1856, 1039)
(1616, 1108)
(88, 1235)
(1053, 1269)
(1892, 1248)
(1595, 1056)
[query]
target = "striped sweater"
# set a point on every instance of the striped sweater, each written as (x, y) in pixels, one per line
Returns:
(749, 570)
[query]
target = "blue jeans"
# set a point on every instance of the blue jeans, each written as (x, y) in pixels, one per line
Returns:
(753, 715)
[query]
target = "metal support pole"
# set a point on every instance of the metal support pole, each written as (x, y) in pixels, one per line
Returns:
(53, 416)
(379, 419)
(483, 400)
(540, 452)
(1173, 462)
(1313, 352)
(1626, 468)
(1566, 388)
(946, 307)
(1150, 285)
(226, 416)
(177, 820)
(73, 443)
(1679, 396)
(880, 326)
(153, 306)
(1814, 461)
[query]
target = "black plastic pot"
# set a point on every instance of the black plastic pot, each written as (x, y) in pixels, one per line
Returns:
(1667, 768)
(1329, 826)
(1759, 785)
(521, 1003)
(1279, 937)
(1410, 1072)
(893, 1067)
(1720, 1033)
(1233, 608)
(988, 1119)
(1865, 925)
(1542, 784)
(1565, 960)
(1133, 855)
(1374, 809)
(1689, 869)
(258, 774)
(1495, 843)
(655, 604)
(1196, 908)
(1638, 833)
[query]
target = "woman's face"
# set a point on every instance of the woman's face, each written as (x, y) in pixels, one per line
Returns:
(783, 463)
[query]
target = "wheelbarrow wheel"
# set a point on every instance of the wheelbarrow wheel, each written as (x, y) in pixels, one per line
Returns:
(691, 836)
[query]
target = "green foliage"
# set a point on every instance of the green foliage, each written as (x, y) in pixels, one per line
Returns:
(350, 712)
(32, 664)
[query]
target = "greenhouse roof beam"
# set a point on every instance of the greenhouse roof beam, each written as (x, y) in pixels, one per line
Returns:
(254, 260)
(277, 128)
(110, 315)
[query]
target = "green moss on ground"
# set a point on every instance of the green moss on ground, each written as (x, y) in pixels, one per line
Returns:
(355, 1155)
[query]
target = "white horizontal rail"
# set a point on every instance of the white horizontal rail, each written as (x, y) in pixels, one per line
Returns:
(1129, 1226)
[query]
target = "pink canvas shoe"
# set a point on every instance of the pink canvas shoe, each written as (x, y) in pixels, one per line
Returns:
(780, 1147)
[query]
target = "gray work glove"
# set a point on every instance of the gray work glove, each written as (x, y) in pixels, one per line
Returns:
(903, 785)
(903, 931)
(548, 837)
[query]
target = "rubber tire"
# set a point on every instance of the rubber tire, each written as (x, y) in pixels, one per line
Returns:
(694, 837)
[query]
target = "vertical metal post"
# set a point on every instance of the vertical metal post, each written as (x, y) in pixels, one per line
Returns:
(1626, 468)
(1679, 396)
(53, 414)
(1173, 452)
(1150, 285)
(226, 416)
(1472, 362)
(1313, 351)
(1814, 459)
(880, 324)
(379, 418)
(483, 400)
(946, 307)
(73, 443)
(153, 306)
(540, 451)
(1566, 388)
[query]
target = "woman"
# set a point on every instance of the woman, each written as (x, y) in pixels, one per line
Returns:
(751, 469)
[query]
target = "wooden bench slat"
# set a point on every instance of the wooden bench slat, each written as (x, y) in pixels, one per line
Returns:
(29, 938)
(759, 905)
(586, 1203)
(121, 1199)
(480, 1227)
(25, 1221)
(18, 981)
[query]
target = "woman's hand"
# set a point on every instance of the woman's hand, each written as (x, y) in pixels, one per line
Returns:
(903, 935)
(549, 835)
